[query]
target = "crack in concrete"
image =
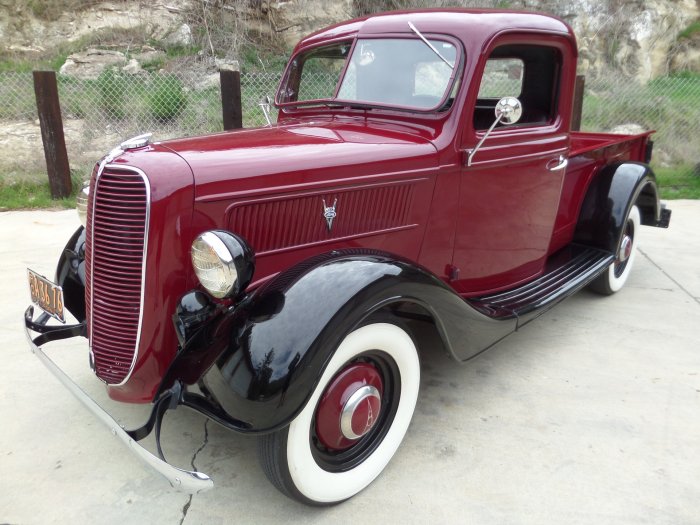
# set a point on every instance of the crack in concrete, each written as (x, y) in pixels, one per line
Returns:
(687, 292)
(186, 507)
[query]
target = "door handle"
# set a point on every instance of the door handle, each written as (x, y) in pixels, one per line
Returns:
(558, 164)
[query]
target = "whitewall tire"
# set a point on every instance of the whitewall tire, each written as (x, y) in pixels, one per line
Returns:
(373, 378)
(615, 277)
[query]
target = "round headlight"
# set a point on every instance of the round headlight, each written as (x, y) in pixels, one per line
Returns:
(223, 262)
(81, 203)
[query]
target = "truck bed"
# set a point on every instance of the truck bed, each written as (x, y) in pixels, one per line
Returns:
(589, 152)
(608, 143)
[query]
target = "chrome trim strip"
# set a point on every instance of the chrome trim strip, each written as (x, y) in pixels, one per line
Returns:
(106, 163)
(91, 231)
(190, 482)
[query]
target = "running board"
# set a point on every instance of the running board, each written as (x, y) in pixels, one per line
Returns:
(566, 272)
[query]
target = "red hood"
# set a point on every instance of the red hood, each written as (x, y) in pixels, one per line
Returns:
(300, 154)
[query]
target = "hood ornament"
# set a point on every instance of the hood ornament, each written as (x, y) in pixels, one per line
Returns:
(329, 213)
(136, 142)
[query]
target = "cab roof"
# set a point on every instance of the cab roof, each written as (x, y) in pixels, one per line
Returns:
(474, 27)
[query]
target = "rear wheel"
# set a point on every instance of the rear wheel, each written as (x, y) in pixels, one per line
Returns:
(614, 278)
(354, 421)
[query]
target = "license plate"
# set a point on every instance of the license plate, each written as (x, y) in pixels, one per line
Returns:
(46, 295)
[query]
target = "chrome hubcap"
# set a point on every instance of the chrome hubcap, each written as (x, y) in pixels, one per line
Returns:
(360, 412)
(625, 248)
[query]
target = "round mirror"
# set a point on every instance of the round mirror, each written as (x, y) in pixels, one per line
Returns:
(509, 110)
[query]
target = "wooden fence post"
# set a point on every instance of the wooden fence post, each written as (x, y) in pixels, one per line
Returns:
(577, 107)
(49, 109)
(230, 78)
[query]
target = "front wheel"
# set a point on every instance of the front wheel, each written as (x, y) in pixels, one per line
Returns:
(354, 421)
(614, 278)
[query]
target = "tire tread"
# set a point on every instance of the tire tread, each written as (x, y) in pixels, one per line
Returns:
(268, 452)
(272, 456)
(601, 284)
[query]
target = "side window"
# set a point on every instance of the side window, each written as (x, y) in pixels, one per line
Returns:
(314, 75)
(528, 72)
(503, 77)
(319, 77)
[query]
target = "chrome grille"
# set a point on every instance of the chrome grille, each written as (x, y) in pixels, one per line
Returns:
(116, 250)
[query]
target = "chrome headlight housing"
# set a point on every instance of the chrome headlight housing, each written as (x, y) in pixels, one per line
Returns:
(81, 203)
(223, 263)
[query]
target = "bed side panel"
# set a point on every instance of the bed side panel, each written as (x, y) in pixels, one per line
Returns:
(589, 153)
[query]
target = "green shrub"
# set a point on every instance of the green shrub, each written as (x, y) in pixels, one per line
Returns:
(167, 99)
(112, 94)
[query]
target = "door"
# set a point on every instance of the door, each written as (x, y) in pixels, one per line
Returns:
(510, 193)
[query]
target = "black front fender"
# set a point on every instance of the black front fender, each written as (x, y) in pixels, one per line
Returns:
(608, 200)
(271, 352)
(70, 274)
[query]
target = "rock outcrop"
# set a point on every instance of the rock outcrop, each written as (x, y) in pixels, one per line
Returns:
(635, 38)
(685, 55)
(638, 39)
(21, 29)
(92, 63)
(293, 19)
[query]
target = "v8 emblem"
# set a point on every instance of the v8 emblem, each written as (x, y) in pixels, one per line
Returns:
(329, 213)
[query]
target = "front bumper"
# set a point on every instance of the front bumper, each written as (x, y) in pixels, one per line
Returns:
(190, 482)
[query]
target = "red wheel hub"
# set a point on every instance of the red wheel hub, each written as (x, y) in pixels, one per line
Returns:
(349, 408)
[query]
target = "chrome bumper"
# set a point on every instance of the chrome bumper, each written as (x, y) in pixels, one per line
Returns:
(190, 482)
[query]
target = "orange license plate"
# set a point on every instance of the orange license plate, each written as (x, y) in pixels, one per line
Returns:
(46, 295)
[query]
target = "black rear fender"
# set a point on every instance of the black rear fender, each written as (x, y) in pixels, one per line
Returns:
(607, 203)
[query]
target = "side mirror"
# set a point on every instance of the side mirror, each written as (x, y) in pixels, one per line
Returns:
(508, 111)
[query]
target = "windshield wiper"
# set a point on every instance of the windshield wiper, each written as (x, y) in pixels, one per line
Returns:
(353, 105)
(431, 46)
(330, 104)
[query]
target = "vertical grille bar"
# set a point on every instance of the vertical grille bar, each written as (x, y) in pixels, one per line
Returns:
(116, 247)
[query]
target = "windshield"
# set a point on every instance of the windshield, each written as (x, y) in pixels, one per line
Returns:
(396, 72)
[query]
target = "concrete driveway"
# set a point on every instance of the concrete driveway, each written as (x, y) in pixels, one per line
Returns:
(590, 414)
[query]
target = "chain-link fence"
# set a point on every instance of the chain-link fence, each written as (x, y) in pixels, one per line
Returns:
(100, 113)
(670, 105)
(97, 114)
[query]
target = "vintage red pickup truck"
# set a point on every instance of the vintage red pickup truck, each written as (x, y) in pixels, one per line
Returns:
(421, 172)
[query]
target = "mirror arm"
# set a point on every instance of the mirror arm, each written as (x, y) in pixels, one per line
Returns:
(472, 152)
(508, 110)
(265, 107)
